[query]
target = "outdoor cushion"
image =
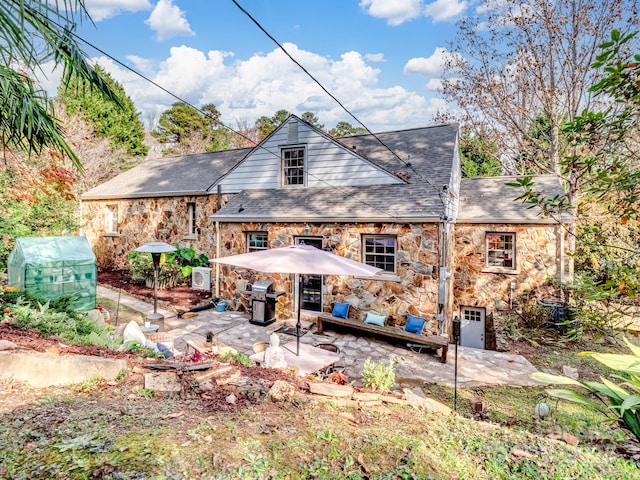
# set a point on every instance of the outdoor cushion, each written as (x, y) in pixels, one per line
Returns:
(374, 319)
(414, 324)
(340, 309)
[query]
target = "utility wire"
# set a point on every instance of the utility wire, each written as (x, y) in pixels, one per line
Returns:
(406, 164)
(206, 114)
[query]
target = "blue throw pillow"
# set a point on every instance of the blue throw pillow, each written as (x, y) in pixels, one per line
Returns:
(374, 319)
(340, 309)
(414, 324)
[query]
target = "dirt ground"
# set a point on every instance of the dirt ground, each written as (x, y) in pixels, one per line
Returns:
(181, 296)
(13, 394)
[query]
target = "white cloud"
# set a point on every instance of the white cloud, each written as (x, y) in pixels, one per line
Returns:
(434, 84)
(432, 66)
(375, 57)
(104, 9)
(141, 64)
(168, 21)
(395, 12)
(264, 83)
(445, 10)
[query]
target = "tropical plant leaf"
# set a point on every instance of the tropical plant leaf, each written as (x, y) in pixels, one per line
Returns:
(634, 349)
(576, 397)
(619, 362)
(555, 379)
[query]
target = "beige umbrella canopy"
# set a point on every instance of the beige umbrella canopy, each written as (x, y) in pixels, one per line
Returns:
(300, 259)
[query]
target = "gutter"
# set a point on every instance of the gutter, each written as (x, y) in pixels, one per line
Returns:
(539, 221)
(122, 196)
(332, 219)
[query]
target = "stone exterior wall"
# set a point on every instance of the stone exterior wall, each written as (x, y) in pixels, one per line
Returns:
(413, 289)
(146, 220)
(537, 260)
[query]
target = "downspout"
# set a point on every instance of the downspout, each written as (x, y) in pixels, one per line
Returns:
(217, 256)
(443, 275)
(218, 238)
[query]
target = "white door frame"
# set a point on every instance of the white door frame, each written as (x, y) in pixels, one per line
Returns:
(473, 326)
(312, 240)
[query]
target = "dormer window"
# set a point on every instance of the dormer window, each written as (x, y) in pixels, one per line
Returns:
(293, 167)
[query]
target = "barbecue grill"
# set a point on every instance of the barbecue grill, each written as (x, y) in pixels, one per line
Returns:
(263, 303)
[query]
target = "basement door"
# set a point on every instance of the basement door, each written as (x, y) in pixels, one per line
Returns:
(311, 284)
(472, 327)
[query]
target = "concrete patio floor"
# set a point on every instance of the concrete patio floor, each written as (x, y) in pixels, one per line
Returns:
(474, 367)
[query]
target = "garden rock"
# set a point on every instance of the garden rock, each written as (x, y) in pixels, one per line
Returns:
(96, 318)
(7, 345)
(419, 401)
(281, 390)
(570, 372)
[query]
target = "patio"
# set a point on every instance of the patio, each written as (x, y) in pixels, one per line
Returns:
(475, 367)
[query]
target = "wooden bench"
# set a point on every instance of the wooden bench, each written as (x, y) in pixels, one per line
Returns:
(398, 333)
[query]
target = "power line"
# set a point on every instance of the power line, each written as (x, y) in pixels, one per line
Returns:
(206, 114)
(272, 38)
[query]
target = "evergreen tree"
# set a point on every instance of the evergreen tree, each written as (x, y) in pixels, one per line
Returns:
(32, 32)
(120, 123)
(345, 129)
(190, 131)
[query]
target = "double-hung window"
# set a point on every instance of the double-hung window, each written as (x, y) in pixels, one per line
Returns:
(380, 251)
(293, 167)
(111, 219)
(500, 250)
(191, 214)
(257, 241)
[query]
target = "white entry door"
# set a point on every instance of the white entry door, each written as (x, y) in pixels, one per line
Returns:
(472, 327)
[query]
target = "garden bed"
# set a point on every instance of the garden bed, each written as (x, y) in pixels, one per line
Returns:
(180, 296)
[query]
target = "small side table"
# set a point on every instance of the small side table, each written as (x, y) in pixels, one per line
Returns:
(154, 327)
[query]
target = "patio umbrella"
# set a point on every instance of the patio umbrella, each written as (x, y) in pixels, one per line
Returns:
(300, 259)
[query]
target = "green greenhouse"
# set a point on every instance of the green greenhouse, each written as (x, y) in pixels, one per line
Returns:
(53, 267)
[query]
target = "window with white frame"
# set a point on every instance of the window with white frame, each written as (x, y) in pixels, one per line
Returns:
(111, 219)
(380, 251)
(293, 167)
(501, 250)
(191, 214)
(257, 241)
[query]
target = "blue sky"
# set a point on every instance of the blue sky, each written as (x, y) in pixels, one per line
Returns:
(381, 58)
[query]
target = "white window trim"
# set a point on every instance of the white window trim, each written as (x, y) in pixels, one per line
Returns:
(384, 273)
(248, 247)
(304, 166)
(111, 219)
(514, 268)
(191, 214)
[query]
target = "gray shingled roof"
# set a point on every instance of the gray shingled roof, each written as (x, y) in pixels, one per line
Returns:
(490, 200)
(402, 203)
(428, 150)
(169, 176)
(426, 159)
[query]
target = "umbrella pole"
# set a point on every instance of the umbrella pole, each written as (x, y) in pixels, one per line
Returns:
(299, 308)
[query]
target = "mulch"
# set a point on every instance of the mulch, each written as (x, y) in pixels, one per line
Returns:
(33, 340)
(180, 296)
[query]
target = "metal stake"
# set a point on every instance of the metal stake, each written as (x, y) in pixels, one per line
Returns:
(456, 340)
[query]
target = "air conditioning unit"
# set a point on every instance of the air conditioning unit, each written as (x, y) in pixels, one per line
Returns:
(201, 278)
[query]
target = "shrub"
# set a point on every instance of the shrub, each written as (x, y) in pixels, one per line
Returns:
(169, 273)
(378, 375)
(187, 259)
(618, 401)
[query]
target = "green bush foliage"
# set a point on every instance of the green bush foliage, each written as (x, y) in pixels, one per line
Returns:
(52, 318)
(618, 401)
(378, 375)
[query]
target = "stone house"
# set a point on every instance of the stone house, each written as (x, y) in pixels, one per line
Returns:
(447, 246)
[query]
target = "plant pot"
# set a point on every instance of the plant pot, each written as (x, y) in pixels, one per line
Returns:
(221, 307)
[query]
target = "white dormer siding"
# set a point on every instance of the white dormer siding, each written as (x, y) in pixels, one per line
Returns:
(326, 163)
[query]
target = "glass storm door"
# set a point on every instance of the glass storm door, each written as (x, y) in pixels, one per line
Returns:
(311, 284)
